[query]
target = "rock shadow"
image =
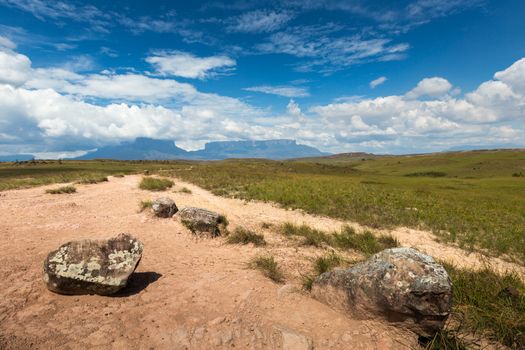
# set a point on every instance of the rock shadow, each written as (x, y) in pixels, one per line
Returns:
(138, 281)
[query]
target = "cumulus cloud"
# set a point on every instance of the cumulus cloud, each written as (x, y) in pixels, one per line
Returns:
(182, 64)
(286, 91)
(51, 109)
(14, 68)
(376, 82)
(430, 87)
(514, 76)
(260, 21)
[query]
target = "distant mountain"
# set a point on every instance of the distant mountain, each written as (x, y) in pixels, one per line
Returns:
(270, 149)
(151, 149)
(141, 148)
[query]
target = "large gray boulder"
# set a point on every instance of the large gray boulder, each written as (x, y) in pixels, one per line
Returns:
(200, 221)
(92, 267)
(401, 285)
(164, 207)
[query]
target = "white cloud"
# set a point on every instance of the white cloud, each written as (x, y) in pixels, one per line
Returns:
(326, 52)
(286, 91)
(376, 82)
(514, 76)
(186, 65)
(6, 43)
(14, 68)
(260, 21)
(56, 109)
(430, 87)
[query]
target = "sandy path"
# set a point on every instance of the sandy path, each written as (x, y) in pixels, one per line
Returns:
(253, 213)
(186, 294)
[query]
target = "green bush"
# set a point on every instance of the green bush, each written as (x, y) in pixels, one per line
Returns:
(155, 184)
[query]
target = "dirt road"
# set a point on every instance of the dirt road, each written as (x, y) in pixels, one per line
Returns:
(187, 293)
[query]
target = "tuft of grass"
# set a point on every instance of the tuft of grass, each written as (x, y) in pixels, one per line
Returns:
(242, 235)
(268, 266)
(364, 242)
(118, 175)
(63, 189)
(520, 174)
(185, 190)
(311, 237)
(146, 204)
(490, 305)
(155, 184)
(347, 238)
(322, 264)
(92, 180)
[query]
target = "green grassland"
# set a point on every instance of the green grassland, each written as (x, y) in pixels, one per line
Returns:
(475, 199)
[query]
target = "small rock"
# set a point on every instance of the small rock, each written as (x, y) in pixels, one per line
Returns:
(294, 341)
(164, 207)
(92, 267)
(202, 221)
(400, 285)
(286, 290)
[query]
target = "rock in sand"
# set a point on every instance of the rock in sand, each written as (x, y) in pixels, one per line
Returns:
(164, 207)
(92, 267)
(401, 285)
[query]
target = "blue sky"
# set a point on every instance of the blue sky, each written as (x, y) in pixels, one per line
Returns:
(379, 76)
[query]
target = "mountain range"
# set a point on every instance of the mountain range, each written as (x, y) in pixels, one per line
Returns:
(144, 148)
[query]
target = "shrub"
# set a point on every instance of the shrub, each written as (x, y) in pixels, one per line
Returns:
(155, 184)
(63, 189)
(520, 174)
(244, 236)
(92, 180)
(268, 266)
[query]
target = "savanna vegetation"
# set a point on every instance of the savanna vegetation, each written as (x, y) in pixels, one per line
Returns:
(474, 199)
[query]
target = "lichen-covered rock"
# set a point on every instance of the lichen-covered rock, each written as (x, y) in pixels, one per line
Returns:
(164, 207)
(200, 220)
(92, 267)
(401, 285)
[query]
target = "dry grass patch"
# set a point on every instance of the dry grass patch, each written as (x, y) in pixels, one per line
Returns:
(242, 235)
(62, 190)
(92, 180)
(268, 266)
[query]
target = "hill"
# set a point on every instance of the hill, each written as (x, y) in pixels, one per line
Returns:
(151, 149)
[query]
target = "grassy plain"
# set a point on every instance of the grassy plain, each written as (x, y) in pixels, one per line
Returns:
(475, 201)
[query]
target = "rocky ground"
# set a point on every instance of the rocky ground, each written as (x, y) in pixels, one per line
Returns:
(187, 293)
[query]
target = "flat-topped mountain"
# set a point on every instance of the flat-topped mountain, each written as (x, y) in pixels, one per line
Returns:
(151, 149)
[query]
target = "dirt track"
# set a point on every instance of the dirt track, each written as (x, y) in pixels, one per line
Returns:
(187, 293)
